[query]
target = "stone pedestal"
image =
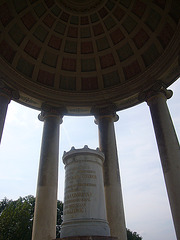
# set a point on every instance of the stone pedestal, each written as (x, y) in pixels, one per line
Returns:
(84, 199)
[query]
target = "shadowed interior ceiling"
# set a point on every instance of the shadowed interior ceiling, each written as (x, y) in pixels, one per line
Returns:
(77, 54)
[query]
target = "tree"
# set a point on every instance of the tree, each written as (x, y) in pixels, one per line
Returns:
(133, 235)
(16, 219)
(59, 218)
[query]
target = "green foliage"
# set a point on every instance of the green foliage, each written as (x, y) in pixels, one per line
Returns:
(133, 235)
(16, 219)
(59, 218)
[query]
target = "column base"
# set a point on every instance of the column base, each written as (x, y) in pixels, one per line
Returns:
(88, 238)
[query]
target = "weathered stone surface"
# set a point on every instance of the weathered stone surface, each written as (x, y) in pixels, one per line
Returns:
(84, 199)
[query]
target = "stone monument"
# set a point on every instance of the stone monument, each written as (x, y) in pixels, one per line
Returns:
(84, 199)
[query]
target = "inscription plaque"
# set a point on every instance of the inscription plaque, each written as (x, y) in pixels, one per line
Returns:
(84, 212)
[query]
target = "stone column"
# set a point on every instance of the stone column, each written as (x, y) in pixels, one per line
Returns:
(169, 149)
(44, 226)
(4, 101)
(6, 94)
(112, 184)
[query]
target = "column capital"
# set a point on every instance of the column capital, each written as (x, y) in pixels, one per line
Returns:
(51, 111)
(108, 111)
(157, 90)
(8, 92)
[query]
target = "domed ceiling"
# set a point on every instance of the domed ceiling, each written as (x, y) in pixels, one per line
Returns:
(81, 53)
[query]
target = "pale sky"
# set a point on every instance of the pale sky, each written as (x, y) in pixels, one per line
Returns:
(146, 204)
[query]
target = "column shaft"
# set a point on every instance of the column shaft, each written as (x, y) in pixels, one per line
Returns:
(44, 227)
(112, 184)
(4, 101)
(169, 151)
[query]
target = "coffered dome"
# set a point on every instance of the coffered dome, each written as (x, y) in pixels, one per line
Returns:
(81, 53)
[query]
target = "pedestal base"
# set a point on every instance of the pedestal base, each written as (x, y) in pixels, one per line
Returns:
(85, 227)
(88, 238)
